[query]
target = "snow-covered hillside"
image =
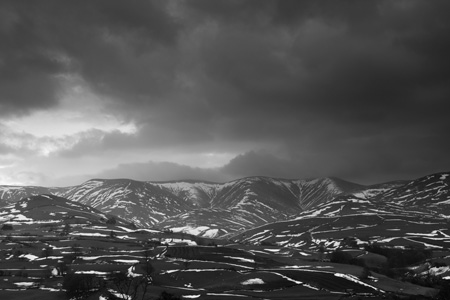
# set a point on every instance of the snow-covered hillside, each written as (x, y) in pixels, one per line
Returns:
(142, 203)
(413, 214)
(226, 208)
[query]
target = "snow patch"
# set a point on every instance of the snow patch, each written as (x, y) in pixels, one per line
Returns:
(30, 257)
(21, 217)
(204, 231)
(356, 280)
(92, 272)
(127, 261)
(241, 259)
(88, 234)
(253, 281)
(24, 284)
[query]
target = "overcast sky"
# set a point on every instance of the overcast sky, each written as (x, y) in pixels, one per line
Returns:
(217, 90)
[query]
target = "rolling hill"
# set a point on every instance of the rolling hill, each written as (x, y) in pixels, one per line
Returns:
(11, 194)
(415, 213)
(224, 209)
(53, 210)
(256, 237)
(212, 209)
(54, 248)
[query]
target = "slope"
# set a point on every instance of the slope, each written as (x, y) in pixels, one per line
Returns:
(211, 208)
(51, 209)
(409, 214)
(139, 202)
(10, 193)
(253, 201)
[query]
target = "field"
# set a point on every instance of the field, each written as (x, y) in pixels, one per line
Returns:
(68, 251)
(187, 271)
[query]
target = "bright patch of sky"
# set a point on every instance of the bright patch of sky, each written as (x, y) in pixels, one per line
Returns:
(79, 110)
(38, 137)
(35, 138)
(200, 159)
(42, 123)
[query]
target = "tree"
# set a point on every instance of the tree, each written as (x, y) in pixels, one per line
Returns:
(132, 225)
(47, 251)
(350, 242)
(398, 258)
(9, 238)
(66, 230)
(63, 268)
(76, 250)
(321, 251)
(7, 227)
(341, 257)
(186, 264)
(111, 221)
(444, 292)
(81, 285)
(167, 296)
(148, 267)
(365, 273)
(130, 287)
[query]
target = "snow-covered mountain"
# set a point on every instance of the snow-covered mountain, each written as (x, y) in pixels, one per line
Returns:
(253, 201)
(277, 193)
(222, 207)
(428, 194)
(227, 207)
(415, 213)
(142, 203)
(217, 209)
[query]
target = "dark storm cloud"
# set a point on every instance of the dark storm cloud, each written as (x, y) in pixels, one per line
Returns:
(97, 40)
(359, 88)
(327, 69)
(95, 141)
(288, 12)
(339, 88)
(162, 171)
(263, 164)
(26, 69)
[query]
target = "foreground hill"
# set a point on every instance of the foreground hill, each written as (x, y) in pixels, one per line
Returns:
(53, 248)
(336, 240)
(53, 211)
(11, 194)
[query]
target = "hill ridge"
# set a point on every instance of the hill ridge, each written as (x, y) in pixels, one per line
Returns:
(243, 203)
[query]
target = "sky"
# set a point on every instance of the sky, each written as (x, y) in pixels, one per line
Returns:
(219, 90)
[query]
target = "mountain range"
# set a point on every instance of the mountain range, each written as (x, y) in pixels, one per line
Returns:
(225, 209)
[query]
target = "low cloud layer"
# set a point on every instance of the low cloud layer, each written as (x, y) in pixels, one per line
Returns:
(353, 89)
